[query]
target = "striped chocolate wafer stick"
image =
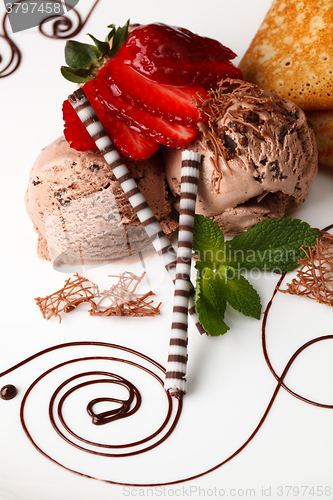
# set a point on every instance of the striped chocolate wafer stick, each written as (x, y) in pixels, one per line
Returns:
(161, 243)
(175, 381)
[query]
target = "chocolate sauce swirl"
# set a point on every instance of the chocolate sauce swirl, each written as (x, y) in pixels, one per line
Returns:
(130, 404)
(124, 407)
(62, 27)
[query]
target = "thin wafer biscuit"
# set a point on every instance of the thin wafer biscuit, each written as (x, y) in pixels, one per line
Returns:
(292, 53)
(322, 123)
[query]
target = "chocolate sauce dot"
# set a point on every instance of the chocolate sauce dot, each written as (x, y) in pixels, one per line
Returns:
(8, 392)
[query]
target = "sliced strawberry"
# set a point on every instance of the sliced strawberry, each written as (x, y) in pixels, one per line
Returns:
(129, 142)
(75, 133)
(177, 56)
(155, 127)
(143, 88)
(208, 75)
(173, 103)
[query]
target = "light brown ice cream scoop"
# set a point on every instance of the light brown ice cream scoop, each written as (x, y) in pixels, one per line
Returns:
(259, 157)
(79, 210)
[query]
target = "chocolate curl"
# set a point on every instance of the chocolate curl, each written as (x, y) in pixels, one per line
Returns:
(175, 381)
(87, 115)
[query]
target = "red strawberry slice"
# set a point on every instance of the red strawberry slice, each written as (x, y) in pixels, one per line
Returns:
(129, 142)
(177, 56)
(155, 127)
(144, 94)
(75, 133)
(174, 103)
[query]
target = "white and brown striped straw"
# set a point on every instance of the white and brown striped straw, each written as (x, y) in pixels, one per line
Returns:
(175, 377)
(87, 115)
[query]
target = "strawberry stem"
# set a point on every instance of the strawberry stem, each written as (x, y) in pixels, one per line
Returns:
(84, 60)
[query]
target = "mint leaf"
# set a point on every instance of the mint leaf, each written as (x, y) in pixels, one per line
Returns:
(208, 241)
(238, 292)
(271, 245)
(210, 303)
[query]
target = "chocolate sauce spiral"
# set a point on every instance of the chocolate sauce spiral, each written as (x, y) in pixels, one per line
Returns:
(63, 27)
(122, 407)
(129, 404)
(8, 64)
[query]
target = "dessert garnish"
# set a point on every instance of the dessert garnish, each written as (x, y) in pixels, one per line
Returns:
(84, 60)
(175, 381)
(292, 54)
(143, 87)
(292, 51)
(75, 291)
(121, 297)
(272, 245)
(63, 27)
(71, 376)
(259, 156)
(88, 117)
(217, 107)
(314, 279)
(8, 392)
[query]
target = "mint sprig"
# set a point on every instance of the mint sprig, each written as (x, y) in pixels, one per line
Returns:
(210, 303)
(272, 245)
(84, 60)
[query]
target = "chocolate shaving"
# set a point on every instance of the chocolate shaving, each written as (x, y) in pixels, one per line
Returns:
(123, 301)
(75, 291)
(217, 150)
(122, 298)
(314, 279)
(225, 94)
(217, 107)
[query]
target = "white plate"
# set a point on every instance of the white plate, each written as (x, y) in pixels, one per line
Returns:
(229, 383)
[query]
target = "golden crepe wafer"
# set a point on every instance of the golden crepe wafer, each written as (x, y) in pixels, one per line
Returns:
(322, 122)
(292, 53)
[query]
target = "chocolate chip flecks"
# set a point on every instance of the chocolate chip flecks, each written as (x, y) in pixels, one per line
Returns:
(60, 197)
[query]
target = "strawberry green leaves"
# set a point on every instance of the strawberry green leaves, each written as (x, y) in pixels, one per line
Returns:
(118, 37)
(81, 59)
(273, 245)
(84, 60)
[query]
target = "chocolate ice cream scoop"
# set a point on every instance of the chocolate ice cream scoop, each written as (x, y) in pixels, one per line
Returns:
(79, 211)
(260, 157)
